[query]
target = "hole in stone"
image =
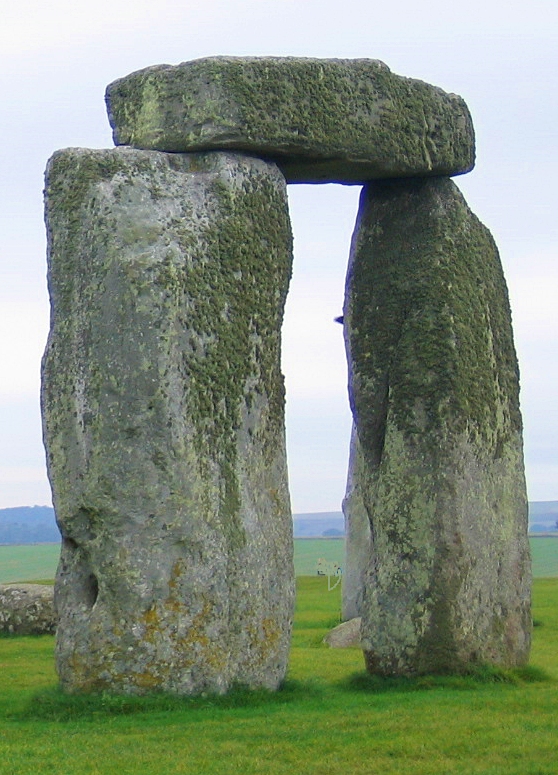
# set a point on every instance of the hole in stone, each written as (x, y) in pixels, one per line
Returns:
(78, 575)
(91, 590)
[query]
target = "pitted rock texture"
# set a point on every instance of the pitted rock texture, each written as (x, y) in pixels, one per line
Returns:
(434, 393)
(27, 609)
(163, 406)
(321, 120)
(357, 536)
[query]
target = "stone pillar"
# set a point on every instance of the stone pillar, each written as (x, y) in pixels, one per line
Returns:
(434, 393)
(163, 407)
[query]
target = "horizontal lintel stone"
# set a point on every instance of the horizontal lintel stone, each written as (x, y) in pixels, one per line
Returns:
(319, 120)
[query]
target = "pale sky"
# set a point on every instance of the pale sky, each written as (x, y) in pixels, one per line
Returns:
(56, 59)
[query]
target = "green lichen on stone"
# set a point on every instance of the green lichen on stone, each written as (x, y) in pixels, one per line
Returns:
(163, 409)
(431, 325)
(345, 120)
(232, 305)
(437, 462)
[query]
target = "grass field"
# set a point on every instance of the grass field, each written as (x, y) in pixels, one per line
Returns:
(26, 563)
(544, 553)
(330, 718)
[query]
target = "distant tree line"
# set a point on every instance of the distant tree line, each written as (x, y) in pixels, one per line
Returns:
(16, 533)
(28, 525)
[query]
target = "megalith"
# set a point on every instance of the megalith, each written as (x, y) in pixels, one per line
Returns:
(163, 406)
(437, 452)
(320, 120)
(163, 400)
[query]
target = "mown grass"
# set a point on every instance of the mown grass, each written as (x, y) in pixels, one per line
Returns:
(329, 718)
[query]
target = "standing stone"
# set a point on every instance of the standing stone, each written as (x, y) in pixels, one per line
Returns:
(434, 393)
(320, 120)
(163, 407)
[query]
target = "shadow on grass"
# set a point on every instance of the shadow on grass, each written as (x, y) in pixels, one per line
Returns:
(53, 704)
(483, 675)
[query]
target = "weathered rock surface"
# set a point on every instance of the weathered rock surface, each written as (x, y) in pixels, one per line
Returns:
(321, 120)
(357, 536)
(27, 609)
(163, 406)
(345, 635)
(434, 393)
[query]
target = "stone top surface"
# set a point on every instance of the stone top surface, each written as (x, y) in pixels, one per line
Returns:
(320, 120)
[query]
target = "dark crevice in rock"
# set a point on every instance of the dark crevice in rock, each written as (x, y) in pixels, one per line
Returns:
(91, 590)
(76, 568)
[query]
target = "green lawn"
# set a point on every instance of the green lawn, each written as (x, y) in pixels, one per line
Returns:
(329, 718)
(27, 563)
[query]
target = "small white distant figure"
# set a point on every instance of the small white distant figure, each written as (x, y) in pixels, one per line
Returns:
(321, 567)
(332, 570)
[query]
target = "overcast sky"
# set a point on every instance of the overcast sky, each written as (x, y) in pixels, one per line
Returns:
(57, 58)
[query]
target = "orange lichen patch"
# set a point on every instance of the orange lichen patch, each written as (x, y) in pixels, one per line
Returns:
(151, 617)
(196, 646)
(265, 639)
(150, 680)
(177, 571)
(271, 631)
(85, 677)
(171, 621)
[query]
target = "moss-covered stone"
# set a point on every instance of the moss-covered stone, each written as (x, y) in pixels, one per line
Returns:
(163, 407)
(26, 609)
(320, 119)
(438, 462)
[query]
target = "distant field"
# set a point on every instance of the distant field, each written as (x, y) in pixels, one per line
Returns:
(38, 561)
(28, 562)
(544, 553)
(309, 550)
